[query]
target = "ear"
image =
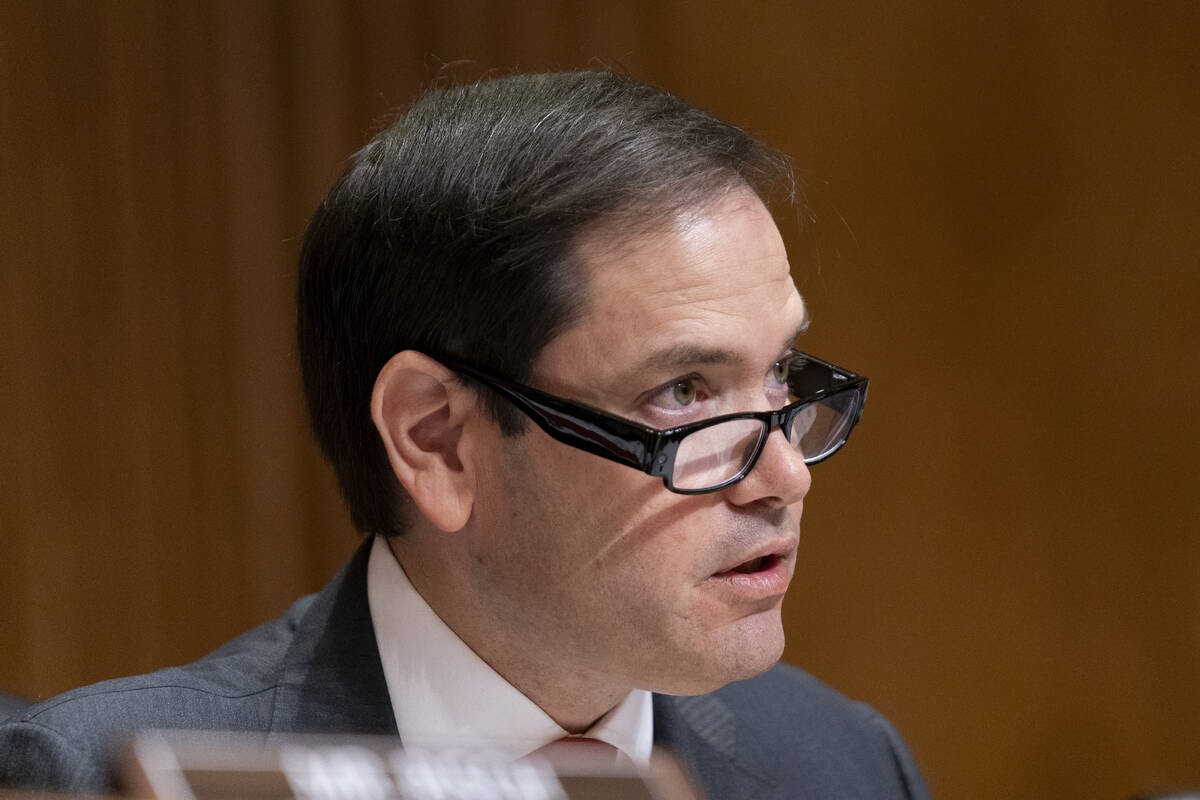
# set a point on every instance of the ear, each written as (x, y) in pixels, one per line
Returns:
(418, 410)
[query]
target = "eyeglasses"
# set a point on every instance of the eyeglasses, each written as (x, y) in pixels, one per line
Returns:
(708, 455)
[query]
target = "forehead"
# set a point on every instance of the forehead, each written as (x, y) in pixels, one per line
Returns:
(714, 278)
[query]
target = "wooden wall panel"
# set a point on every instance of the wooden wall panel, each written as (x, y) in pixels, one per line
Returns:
(1001, 230)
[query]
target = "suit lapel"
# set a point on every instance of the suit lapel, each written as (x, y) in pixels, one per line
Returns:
(701, 731)
(332, 681)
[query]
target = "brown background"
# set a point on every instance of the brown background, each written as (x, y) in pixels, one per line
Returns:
(1006, 559)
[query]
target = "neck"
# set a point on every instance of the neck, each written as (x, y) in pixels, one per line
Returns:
(571, 694)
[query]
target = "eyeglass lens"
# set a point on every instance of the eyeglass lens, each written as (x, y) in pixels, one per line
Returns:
(820, 428)
(713, 455)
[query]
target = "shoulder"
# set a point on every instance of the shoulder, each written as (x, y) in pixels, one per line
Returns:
(787, 693)
(67, 741)
(788, 701)
(790, 725)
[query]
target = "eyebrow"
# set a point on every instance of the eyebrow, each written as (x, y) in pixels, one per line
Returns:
(681, 355)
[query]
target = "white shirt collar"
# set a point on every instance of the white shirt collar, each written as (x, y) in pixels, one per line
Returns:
(443, 693)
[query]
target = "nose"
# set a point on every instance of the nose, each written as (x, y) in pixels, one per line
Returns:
(779, 477)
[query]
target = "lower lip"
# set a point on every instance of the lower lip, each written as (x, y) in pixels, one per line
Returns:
(769, 582)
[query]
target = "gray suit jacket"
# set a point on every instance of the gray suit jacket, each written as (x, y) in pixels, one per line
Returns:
(316, 669)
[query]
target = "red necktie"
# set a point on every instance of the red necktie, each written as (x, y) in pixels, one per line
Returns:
(580, 746)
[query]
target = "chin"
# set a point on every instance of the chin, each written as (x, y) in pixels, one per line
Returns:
(743, 653)
(755, 662)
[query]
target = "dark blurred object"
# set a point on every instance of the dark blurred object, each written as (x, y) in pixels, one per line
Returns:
(1186, 795)
(12, 706)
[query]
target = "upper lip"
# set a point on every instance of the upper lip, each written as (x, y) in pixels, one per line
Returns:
(782, 545)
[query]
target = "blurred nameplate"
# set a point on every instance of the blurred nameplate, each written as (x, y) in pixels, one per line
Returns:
(179, 765)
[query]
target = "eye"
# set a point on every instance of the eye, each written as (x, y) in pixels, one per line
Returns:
(684, 395)
(684, 392)
(781, 369)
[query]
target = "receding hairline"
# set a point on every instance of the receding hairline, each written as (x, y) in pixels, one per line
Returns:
(612, 241)
(635, 223)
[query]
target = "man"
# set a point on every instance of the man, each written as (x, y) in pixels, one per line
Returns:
(594, 255)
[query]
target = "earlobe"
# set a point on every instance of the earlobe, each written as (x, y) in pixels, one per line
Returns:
(419, 416)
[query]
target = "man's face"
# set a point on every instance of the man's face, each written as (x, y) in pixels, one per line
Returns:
(597, 567)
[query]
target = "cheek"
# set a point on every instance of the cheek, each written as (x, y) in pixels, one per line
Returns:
(592, 526)
(652, 557)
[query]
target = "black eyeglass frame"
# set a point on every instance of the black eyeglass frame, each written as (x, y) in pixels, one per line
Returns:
(652, 450)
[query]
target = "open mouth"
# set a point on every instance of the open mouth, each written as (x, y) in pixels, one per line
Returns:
(760, 564)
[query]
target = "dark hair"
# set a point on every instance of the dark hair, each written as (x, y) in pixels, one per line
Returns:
(453, 232)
